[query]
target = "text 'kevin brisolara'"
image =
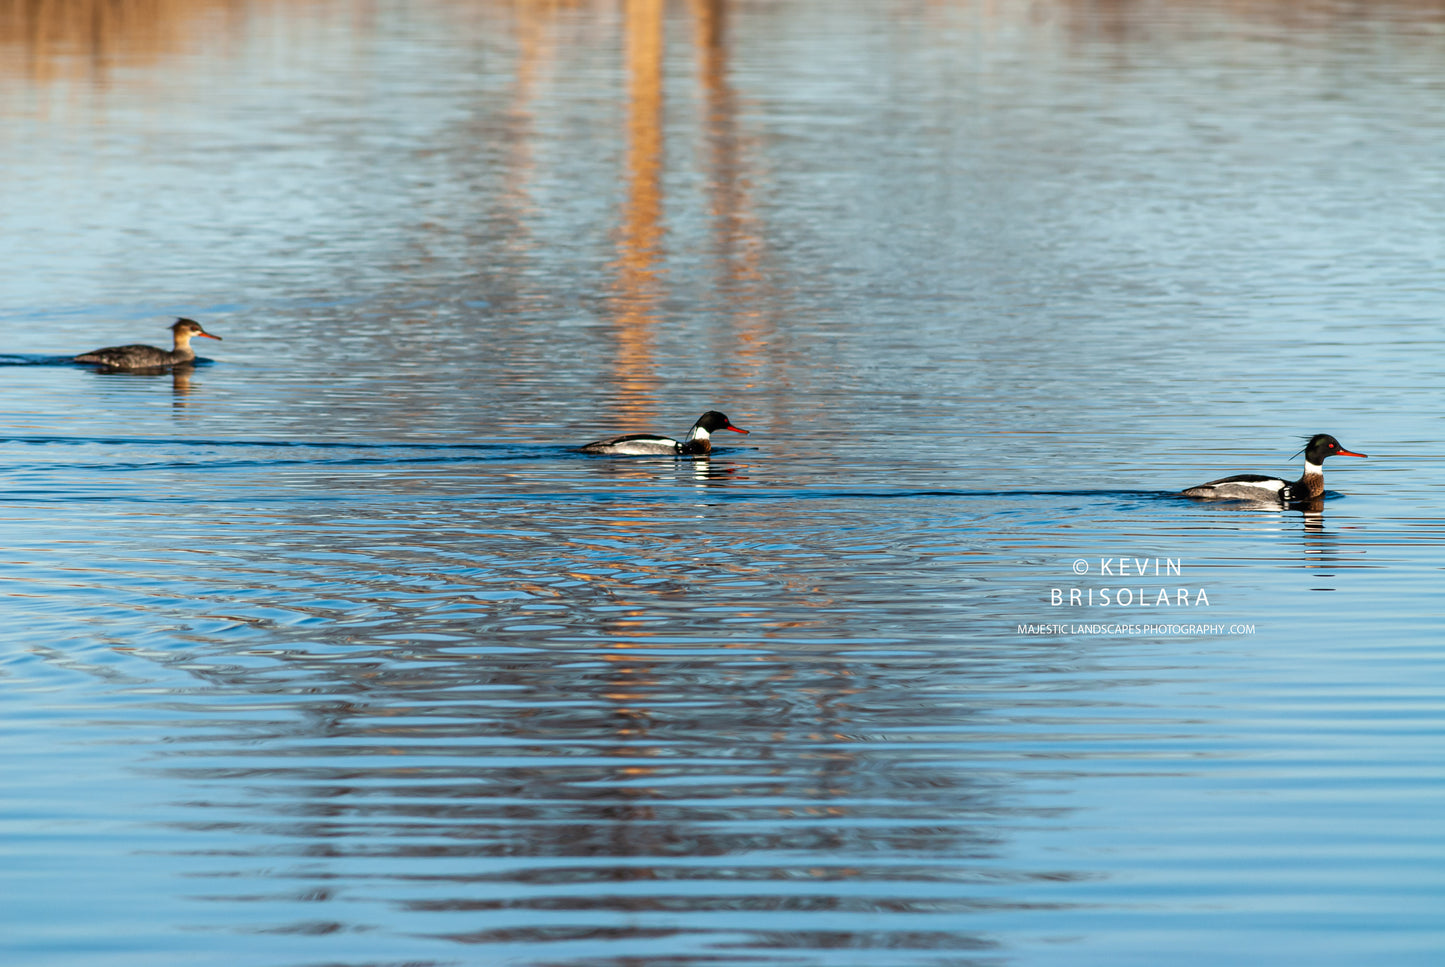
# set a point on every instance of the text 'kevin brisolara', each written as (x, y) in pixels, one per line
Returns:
(1128, 597)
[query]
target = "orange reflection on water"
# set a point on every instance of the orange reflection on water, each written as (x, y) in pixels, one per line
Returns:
(738, 249)
(84, 38)
(637, 287)
(536, 51)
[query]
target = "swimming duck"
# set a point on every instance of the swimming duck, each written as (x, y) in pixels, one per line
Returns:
(698, 442)
(150, 357)
(1253, 486)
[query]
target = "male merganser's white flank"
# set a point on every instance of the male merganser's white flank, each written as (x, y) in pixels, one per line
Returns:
(1252, 486)
(698, 442)
(149, 357)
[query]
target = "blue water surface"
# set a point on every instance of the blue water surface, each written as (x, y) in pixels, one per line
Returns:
(334, 650)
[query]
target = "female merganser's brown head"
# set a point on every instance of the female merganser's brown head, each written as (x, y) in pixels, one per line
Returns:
(184, 330)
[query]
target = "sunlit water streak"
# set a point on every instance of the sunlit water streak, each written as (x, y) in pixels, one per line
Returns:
(336, 651)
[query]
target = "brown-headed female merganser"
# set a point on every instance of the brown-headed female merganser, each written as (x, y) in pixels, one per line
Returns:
(149, 357)
(1252, 486)
(698, 442)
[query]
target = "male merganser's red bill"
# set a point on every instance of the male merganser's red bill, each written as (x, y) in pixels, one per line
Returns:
(698, 442)
(149, 357)
(1252, 486)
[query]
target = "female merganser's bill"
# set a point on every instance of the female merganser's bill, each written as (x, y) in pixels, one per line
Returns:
(149, 357)
(1252, 486)
(698, 442)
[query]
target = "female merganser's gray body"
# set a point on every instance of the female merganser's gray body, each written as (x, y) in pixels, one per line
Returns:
(149, 357)
(698, 442)
(1253, 486)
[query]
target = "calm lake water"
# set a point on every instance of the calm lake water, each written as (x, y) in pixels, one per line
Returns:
(335, 651)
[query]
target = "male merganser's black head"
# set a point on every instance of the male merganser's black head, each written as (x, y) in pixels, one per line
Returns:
(713, 420)
(1323, 445)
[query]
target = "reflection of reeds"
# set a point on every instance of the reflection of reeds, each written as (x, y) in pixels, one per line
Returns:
(61, 38)
(58, 38)
(640, 235)
(55, 39)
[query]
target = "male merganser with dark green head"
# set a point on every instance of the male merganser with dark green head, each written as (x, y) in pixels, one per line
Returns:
(698, 442)
(1253, 486)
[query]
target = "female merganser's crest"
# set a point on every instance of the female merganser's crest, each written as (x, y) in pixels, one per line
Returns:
(698, 442)
(1253, 486)
(149, 357)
